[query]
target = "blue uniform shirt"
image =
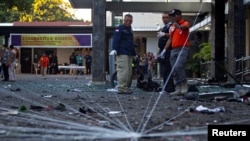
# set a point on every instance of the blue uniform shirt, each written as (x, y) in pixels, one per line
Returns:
(162, 40)
(123, 41)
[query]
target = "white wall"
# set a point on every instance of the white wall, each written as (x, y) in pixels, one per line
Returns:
(146, 19)
(63, 55)
(152, 45)
(108, 18)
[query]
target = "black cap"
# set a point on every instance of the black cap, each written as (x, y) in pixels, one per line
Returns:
(175, 12)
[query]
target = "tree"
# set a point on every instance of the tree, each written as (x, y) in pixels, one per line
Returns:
(35, 10)
(48, 10)
(10, 10)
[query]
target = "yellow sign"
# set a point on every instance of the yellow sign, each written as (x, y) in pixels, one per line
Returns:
(53, 40)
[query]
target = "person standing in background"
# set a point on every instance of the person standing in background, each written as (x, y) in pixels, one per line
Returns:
(4, 61)
(178, 40)
(53, 64)
(44, 63)
(49, 70)
(123, 48)
(72, 62)
(146, 64)
(151, 60)
(79, 59)
(142, 64)
(88, 62)
(165, 66)
(12, 64)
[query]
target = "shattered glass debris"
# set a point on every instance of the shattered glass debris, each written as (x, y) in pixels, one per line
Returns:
(54, 111)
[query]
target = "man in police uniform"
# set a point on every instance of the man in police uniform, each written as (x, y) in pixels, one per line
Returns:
(165, 66)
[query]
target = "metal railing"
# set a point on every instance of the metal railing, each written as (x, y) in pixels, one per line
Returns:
(205, 70)
(242, 68)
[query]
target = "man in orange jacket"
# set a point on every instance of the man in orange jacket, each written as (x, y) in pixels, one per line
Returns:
(178, 40)
(44, 63)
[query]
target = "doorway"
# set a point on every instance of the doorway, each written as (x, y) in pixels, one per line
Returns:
(26, 60)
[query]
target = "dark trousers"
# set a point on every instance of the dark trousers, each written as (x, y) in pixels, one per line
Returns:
(165, 70)
(54, 69)
(5, 71)
(88, 68)
(80, 71)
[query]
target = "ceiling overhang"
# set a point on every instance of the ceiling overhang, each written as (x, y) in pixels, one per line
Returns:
(246, 1)
(186, 7)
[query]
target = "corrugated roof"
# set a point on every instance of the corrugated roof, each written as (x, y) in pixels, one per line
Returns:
(52, 24)
(145, 28)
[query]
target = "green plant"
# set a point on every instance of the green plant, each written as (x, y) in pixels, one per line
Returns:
(204, 54)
